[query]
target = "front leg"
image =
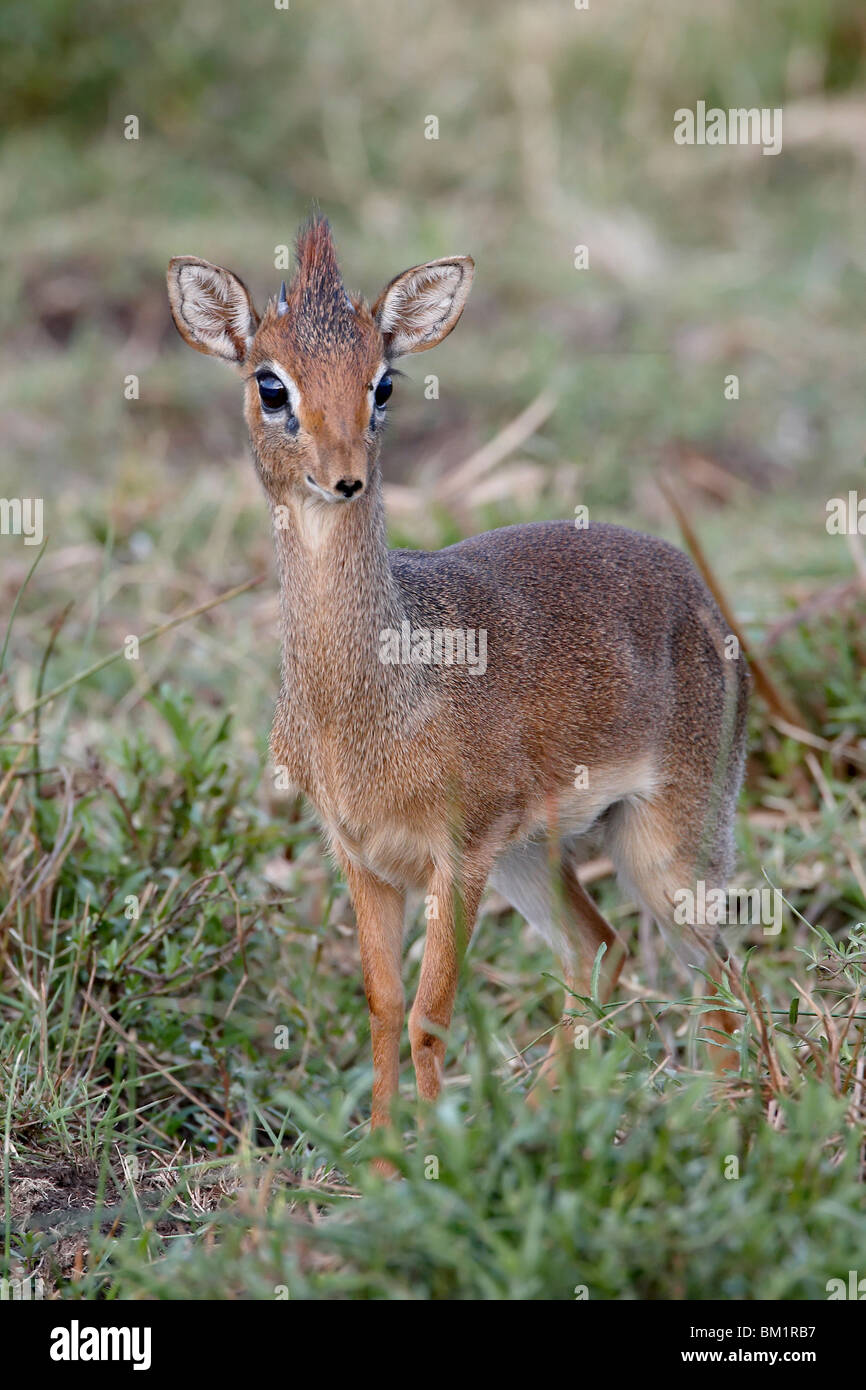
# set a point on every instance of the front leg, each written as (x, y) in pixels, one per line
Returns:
(449, 927)
(379, 911)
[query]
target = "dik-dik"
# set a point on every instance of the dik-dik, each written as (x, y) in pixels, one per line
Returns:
(607, 710)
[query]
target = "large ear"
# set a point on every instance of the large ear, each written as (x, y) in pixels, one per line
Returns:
(420, 307)
(211, 307)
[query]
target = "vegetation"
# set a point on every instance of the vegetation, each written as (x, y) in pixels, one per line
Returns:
(184, 1069)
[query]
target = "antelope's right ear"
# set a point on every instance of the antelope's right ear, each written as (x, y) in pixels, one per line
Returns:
(420, 307)
(211, 308)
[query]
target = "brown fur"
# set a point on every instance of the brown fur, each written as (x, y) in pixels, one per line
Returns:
(604, 650)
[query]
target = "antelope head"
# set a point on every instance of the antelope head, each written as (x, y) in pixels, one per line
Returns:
(317, 364)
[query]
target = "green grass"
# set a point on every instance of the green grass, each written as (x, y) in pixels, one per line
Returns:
(184, 1047)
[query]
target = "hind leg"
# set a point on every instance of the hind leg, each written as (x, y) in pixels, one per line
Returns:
(586, 930)
(664, 858)
(566, 916)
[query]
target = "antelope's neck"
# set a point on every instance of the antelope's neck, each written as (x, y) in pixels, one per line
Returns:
(337, 597)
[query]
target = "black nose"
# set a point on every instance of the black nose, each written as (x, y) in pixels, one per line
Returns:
(348, 488)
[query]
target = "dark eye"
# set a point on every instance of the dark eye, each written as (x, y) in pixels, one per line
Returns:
(383, 391)
(272, 391)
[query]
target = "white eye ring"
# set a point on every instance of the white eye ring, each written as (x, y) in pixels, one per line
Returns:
(294, 395)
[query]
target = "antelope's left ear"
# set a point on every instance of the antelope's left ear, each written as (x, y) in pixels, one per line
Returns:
(420, 307)
(211, 308)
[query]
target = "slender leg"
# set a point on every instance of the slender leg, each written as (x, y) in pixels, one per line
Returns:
(448, 931)
(658, 859)
(379, 913)
(539, 879)
(718, 1026)
(585, 929)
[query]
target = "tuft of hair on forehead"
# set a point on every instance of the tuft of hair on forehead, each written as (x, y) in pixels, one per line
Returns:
(317, 257)
(320, 313)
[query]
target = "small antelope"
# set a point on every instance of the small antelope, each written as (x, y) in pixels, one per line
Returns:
(604, 712)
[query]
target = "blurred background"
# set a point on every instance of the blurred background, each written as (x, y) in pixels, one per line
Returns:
(561, 387)
(555, 130)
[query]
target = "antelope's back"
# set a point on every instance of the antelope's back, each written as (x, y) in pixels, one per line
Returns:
(597, 636)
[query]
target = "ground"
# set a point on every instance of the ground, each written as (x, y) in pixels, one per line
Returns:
(184, 1069)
